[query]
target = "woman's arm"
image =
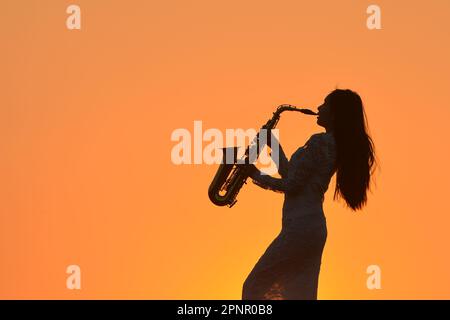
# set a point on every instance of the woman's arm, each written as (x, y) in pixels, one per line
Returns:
(283, 162)
(298, 175)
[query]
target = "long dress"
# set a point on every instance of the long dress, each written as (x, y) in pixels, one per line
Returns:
(289, 268)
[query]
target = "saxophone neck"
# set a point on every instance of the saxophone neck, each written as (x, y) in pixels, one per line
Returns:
(272, 122)
(288, 107)
(281, 108)
(276, 115)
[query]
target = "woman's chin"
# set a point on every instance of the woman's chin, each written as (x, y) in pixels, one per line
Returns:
(320, 124)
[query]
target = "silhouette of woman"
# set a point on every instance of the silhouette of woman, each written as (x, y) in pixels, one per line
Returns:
(289, 268)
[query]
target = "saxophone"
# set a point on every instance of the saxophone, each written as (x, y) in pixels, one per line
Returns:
(230, 178)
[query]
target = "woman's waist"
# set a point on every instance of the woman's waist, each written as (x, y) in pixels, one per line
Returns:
(299, 208)
(303, 202)
(306, 194)
(303, 213)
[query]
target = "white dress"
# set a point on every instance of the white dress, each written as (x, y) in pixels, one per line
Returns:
(289, 268)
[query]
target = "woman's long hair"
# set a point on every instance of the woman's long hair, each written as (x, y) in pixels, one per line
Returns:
(355, 149)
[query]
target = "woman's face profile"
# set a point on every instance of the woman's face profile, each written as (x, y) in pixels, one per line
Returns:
(325, 117)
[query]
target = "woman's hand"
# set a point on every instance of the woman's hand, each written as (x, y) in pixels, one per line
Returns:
(250, 168)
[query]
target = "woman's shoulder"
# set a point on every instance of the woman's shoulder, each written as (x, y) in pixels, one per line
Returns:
(315, 142)
(321, 137)
(323, 144)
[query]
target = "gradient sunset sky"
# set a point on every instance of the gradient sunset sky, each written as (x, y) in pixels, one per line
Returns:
(86, 118)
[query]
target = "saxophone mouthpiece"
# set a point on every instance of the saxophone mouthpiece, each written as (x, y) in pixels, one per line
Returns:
(307, 111)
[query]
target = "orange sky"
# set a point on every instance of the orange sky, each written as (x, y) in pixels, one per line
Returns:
(86, 118)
